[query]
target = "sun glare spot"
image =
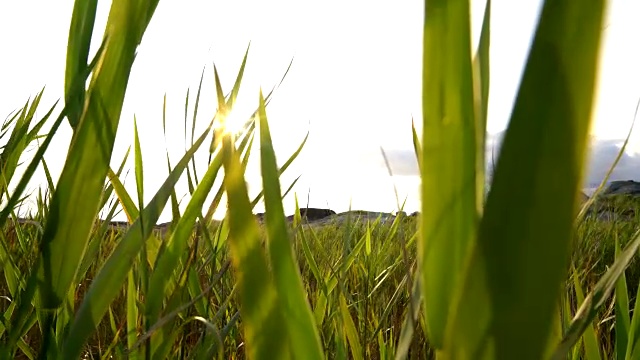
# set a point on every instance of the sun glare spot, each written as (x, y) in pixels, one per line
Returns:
(231, 123)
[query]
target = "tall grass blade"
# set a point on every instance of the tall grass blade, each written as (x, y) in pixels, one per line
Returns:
(112, 275)
(138, 166)
(633, 338)
(417, 148)
(591, 346)
(80, 34)
(481, 83)
(623, 322)
(449, 216)
(350, 329)
(75, 202)
(178, 241)
(303, 334)
(410, 321)
(514, 273)
(265, 332)
(596, 298)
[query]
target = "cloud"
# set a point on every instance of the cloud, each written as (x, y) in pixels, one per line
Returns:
(602, 154)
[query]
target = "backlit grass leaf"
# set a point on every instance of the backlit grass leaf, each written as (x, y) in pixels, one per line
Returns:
(264, 326)
(178, 242)
(481, 96)
(623, 321)
(138, 165)
(449, 215)
(350, 329)
(129, 207)
(633, 338)
(596, 298)
(514, 274)
(132, 313)
(591, 346)
(303, 334)
(106, 285)
(80, 34)
(75, 202)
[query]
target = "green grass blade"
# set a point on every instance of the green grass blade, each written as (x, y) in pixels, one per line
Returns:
(633, 339)
(130, 208)
(236, 85)
(132, 314)
(305, 340)
(110, 188)
(623, 322)
(350, 330)
(591, 346)
(410, 321)
(31, 168)
(75, 202)
(520, 260)
(596, 298)
(417, 148)
(112, 275)
(481, 83)
(449, 215)
(138, 165)
(80, 33)
(178, 241)
(282, 169)
(264, 328)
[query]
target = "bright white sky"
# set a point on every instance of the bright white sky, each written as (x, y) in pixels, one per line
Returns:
(354, 84)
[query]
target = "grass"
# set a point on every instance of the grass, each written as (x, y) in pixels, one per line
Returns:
(374, 277)
(518, 274)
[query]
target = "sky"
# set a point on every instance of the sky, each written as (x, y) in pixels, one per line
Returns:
(354, 85)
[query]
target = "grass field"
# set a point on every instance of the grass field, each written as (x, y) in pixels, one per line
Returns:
(362, 261)
(518, 273)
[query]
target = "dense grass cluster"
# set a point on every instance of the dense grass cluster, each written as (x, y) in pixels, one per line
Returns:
(370, 255)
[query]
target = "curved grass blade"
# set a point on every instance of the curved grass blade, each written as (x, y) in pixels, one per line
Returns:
(130, 208)
(303, 334)
(260, 307)
(75, 202)
(410, 321)
(623, 322)
(283, 168)
(605, 180)
(481, 93)
(514, 274)
(417, 148)
(596, 298)
(178, 241)
(350, 329)
(589, 338)
(633, 337)
(112, 275)
(80, 33)
(138, 165)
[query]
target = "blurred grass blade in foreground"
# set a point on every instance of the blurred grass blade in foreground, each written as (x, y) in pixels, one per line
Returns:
(514, 274)
(448, 161)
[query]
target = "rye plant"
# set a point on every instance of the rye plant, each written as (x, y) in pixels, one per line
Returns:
(516, 275)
